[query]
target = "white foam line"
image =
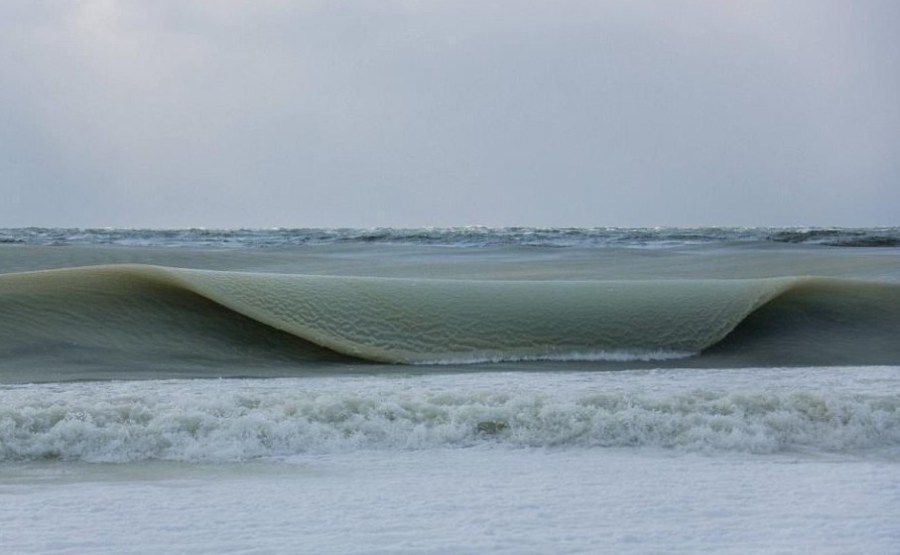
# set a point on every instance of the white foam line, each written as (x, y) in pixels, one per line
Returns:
(573, 356)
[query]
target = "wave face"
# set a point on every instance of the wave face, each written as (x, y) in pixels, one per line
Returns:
(131, 320)
(239, 420)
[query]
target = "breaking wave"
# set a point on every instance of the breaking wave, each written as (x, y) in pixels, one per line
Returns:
(223, 421)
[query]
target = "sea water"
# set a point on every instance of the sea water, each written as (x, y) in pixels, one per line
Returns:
(146, 415)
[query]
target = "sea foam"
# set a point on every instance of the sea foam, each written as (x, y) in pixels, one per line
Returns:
(239, 420)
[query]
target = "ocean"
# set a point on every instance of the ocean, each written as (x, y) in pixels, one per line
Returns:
(462, 390)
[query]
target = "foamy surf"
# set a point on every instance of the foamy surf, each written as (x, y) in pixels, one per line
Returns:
(237, 420)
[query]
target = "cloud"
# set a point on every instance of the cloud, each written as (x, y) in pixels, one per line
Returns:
(441, 113)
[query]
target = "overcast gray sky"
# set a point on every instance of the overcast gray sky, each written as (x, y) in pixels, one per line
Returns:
(408, 113)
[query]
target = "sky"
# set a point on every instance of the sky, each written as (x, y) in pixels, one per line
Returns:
(407, 113)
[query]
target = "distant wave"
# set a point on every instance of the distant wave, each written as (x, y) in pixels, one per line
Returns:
(145, 317)
(467, 236)
(839, 237)
(221, 421)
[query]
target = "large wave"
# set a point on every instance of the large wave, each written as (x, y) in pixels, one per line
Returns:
(135, 316)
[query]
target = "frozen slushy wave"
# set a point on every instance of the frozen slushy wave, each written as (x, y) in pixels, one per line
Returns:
(381, 319)
(239, 421)
(166, 316)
